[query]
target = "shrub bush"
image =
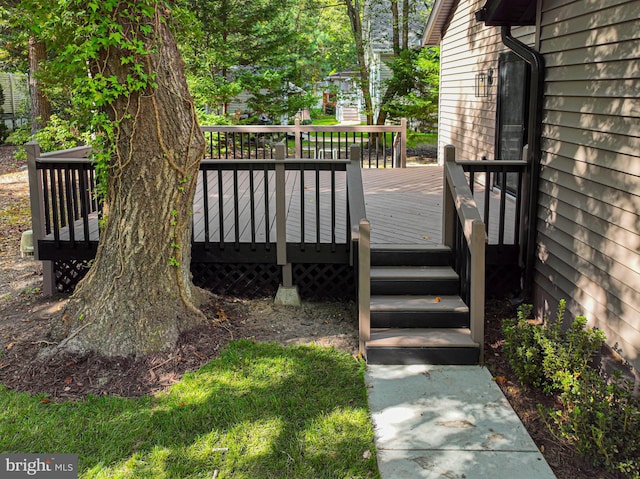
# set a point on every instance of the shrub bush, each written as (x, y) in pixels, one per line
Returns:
(547, 356)
(602, 420)
(58, 134)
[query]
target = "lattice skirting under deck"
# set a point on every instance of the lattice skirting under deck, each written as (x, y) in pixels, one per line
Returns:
(314, 281)
(68, 274)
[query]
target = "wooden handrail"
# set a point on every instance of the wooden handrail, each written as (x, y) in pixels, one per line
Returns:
(274, 161)
(77, 152)
(360, 236)
(302, 128)
(491, 165)
(364, 284)
(464, 202)
(458, 203)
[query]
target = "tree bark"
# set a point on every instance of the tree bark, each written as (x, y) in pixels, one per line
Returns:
(40, 105)
(395, 27)
(389, 94)
(353, 10)
(405, 24)
(138, 296)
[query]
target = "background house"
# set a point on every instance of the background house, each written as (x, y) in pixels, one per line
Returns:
(378, 34)
(341, 95)
(583, 129)
(16, 93)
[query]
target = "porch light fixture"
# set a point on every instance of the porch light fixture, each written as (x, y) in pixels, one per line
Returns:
(483, 83)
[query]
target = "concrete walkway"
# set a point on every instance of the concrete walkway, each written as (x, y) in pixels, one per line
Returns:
(448, 422)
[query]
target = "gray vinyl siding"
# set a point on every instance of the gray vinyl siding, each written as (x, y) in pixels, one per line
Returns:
(467, 48)
(239, 103)
(589, 192)
(588, 221)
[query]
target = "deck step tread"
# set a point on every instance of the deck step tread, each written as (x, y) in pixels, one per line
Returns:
(413, 272)
(421, 338)
(418, 303)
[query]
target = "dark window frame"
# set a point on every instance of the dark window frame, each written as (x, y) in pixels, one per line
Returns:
(512, 111)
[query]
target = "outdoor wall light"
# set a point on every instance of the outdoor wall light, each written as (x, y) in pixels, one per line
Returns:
(482, 87)
(483, 83)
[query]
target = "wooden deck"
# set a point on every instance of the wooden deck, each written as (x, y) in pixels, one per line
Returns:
(404, 206)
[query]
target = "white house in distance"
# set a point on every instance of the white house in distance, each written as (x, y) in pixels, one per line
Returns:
(341, 95)
(16, 93)
(563, 77)
(378, 32)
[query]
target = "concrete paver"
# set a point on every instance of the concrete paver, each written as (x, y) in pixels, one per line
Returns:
(448, 422)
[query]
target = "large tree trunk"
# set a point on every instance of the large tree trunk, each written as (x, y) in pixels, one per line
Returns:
(139, 296)
(40, 105)
(354, 12)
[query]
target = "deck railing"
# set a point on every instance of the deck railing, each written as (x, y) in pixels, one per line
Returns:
(506, 221)
(64, 181)
(508, 177)
(248, 216)
(278, 211)
(380, 146)
(464, 232)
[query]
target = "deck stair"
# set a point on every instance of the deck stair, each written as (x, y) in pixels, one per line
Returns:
(417, 315)
(350, 114)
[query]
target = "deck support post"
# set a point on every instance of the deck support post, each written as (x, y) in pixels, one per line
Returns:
(403, 143)
(298, 139)
(287, 292)
(37, 217)
(477, 284)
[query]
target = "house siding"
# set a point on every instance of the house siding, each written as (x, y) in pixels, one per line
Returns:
(588, 244)
(467, 48)
(15, 89)
(588, 221)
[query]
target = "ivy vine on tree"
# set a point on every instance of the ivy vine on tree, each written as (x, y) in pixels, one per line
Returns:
(126, 77)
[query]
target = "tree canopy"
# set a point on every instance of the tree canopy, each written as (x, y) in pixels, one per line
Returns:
(272, 49)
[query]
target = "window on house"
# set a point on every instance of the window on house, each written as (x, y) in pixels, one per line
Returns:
(512, 112)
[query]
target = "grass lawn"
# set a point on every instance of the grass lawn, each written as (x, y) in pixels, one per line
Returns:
(325, 120)
(415, 139)
(259, 411)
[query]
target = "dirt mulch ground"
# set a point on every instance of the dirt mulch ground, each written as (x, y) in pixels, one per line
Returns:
(72, 376)
(25, 316)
